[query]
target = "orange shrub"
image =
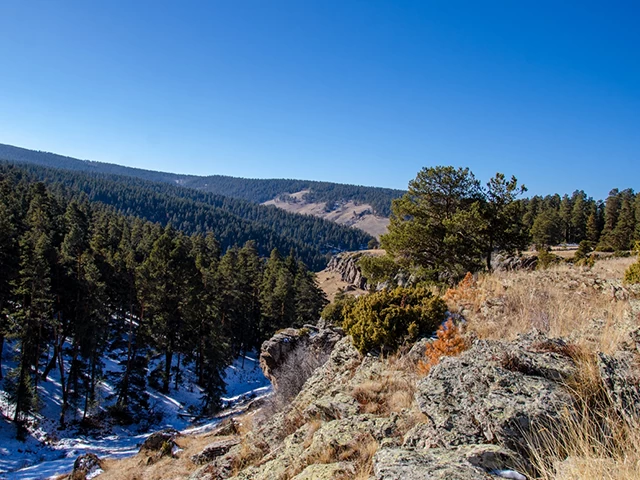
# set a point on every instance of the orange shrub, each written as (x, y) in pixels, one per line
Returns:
(462, 294)
(449, 343)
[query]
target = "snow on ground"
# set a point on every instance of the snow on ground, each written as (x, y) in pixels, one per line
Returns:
(49, 452)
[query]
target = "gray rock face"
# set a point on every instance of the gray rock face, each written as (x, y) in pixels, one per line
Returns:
(481, 409)
(308, 343)
(494, 393)
(621, 380)
(156, 441)
(469, 462)
(214, 450)
(346, 264)
(86, 465)
(502, 262)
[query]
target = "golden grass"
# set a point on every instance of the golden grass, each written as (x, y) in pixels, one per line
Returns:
(139, 467)
(391, 392)
(593, 441)
(563, 301)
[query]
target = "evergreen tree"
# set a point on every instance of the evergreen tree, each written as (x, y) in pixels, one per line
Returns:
(579, 215)
(33, 291)
(622, 235)
(611, 212)
(593, 227)
(309, 297)
(565, 211)
(503, 229)
(637, 214)
(547, 229)
(276, 296)
(8, 265)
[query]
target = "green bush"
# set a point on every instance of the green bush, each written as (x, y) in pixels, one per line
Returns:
(632, 274)
(547, 259)
(333, 313)
(384, 320)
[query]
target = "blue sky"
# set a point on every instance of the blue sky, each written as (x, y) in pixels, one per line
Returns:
(364, 92)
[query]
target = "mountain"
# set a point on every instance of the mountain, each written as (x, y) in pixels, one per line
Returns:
(363, 207)
(232, 221)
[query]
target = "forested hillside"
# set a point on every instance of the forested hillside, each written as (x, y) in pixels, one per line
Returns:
(609, 225)
(233, 221)
(254, 190)
(260, 191)
(80, 281)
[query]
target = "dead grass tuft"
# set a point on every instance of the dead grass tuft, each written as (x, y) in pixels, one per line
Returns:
(562, 301)
(391, 392)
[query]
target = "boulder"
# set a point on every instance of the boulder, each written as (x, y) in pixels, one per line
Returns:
(468, 462)
(214, 450)
(86, 467)
(158, 441)
(496, 392)
(315, 346)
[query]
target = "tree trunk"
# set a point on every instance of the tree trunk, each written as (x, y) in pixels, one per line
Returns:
(175, 385)
(1, 349)
(168, 358)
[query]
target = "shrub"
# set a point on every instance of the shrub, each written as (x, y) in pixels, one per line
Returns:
(384, 320)
(546, 259)
(333, 314)
(463, 293)
(450, 343)
(632, 274)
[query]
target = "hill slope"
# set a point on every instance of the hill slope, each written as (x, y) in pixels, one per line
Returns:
(233, 221)
(330, 195)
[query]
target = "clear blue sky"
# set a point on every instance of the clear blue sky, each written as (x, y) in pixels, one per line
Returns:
(363, 92)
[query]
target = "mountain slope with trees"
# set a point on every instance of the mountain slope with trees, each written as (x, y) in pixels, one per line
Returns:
(233, 221)
(81, 281)
(253, 190)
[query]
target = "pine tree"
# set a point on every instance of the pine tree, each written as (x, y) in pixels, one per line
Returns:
(622, 235)
(309, 297)
(611, 212)
(276, 296)
(565, 218)
(593, 227)
(9, 267)
(579, 214)
(33, 291)
(637, 215)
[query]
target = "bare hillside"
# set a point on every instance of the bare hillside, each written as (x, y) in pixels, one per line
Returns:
(348, 213)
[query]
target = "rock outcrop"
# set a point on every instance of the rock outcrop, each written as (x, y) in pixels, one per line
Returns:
(504, 262)
(310, 344)
(86, 467)
(471, 418)
(346, 264)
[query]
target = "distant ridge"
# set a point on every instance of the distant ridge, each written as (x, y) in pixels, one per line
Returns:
(254, 190)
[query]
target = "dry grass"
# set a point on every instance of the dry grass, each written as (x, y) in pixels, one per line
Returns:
(391, 392)
(578, 303)
(563, 301)
(139, 467)
(359, 452)
(594, 441)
